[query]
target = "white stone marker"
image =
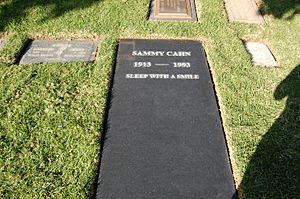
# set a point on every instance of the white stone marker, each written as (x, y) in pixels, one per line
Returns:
(260, 53)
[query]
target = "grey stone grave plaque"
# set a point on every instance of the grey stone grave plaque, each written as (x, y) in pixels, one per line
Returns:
(164, 137)
(47, 51)
(260, 53)
(243, 11)
(174, 10)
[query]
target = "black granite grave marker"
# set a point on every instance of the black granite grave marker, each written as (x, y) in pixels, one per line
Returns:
(47, 51)
(164, 137)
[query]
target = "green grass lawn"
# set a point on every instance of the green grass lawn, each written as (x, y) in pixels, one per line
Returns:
(51, 114)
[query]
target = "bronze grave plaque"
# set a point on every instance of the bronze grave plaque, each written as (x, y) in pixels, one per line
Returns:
(176, 10)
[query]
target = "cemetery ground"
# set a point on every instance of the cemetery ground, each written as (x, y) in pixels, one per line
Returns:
(51, 115)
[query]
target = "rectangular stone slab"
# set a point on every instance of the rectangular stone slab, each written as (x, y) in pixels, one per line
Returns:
(49, 51)
(164, 137)
(260, 54)
(174, 10)
(243, 11)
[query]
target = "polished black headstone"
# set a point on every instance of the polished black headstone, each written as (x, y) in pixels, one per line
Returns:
(47, 51)
(164, 137)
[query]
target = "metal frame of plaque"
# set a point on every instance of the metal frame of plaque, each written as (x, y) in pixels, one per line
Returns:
(173, 10)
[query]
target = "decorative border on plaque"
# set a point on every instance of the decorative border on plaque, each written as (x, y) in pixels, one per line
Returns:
(190, 14)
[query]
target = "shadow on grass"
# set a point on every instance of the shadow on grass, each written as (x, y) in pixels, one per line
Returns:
(286, 9)
(16, 10)
(104, 127)
(274, 169)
